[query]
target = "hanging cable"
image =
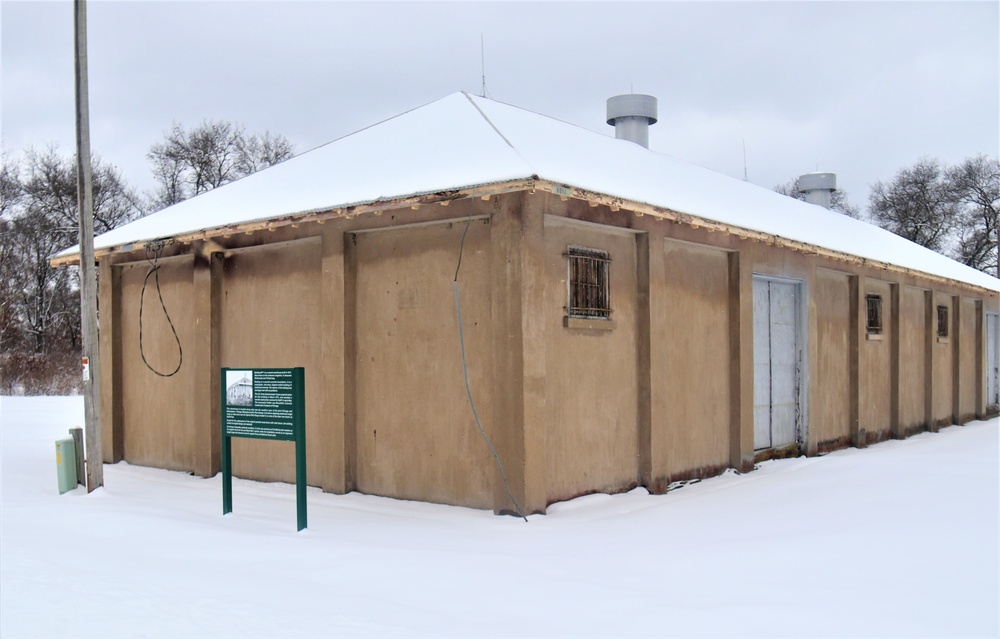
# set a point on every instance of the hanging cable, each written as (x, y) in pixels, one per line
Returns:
(156, 248)
(465, 367)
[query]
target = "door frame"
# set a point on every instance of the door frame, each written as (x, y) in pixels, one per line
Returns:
(802, 360)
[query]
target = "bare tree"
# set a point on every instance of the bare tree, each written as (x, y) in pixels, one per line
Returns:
(918, 204)
(49, 187)
(11, 192)
(975, 184)
(839, 201)
(10, 184)
(191, 162)
(36, 302)
(40, 305)
(260, 152)
(952, 210)
(43, 297)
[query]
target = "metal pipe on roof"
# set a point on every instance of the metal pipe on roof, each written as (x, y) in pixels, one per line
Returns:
(818, 188)
(631, 114)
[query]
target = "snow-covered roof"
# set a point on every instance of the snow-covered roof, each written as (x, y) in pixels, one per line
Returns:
(463, 141)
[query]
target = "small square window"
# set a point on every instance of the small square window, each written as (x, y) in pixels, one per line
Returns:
(873, 323)
(942, 321)
(589, 283)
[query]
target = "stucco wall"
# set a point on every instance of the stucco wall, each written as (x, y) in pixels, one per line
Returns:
(913, 344)
(968, 360)
(830, 376)
(690, 416)
(876, 366)
(269, 319)
(591, 375)
(157, 415)
(415, 433)
(943, 362)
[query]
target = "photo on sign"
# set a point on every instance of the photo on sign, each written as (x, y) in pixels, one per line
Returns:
(239, 388)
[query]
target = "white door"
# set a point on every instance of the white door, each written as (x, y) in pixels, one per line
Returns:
(992, 357)
(776, 347)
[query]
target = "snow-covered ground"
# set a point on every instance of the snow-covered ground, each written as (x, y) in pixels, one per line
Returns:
(899, 539)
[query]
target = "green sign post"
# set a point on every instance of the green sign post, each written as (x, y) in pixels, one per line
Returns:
(264, 403)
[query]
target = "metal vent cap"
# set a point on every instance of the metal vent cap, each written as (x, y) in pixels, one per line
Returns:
(821, 181)
(632, 105)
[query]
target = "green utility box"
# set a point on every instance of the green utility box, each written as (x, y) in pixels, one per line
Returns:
(66, 465)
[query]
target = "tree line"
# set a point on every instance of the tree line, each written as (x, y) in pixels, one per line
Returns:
(950, 209)
(40, 334)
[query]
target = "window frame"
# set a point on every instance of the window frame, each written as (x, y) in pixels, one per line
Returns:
(943, 322)
(874, 311)
(596, 263)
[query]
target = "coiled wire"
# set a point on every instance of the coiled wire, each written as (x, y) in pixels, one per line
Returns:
(156, 248)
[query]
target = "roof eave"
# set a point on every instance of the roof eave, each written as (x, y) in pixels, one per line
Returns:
(694, 221)
(564, 191)
(319, 216)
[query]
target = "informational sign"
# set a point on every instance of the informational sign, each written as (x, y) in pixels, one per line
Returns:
(259, 403)
(264, 403)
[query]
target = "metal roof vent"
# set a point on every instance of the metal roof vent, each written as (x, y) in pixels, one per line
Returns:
(631, 115)
(818, 188)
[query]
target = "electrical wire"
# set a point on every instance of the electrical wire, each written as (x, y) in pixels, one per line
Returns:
(465, 369)
(156, 248)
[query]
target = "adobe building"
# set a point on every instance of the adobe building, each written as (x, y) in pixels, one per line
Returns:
(628, 319)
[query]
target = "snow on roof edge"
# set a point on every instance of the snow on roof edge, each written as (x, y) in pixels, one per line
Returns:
(994, 285)
(74, 251)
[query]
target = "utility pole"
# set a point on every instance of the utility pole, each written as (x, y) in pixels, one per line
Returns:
(88, 272)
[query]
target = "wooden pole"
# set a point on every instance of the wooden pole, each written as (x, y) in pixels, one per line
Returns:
(88, 271)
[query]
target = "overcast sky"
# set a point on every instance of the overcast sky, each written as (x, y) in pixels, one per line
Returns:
(861, 89)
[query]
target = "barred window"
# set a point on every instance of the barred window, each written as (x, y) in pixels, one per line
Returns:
(874, 316)
(589, 290)
(942, 317)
